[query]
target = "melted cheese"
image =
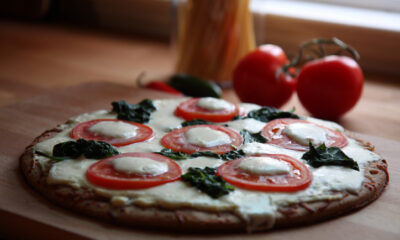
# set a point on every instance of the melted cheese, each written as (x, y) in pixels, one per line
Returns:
(264, 166)
(303, 133)
(249, 124)
(206, 137)
(114, 129)
(257, 208)
(214, 104)
(139, 165)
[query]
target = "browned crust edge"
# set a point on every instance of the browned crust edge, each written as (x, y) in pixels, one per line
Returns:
(86, 202)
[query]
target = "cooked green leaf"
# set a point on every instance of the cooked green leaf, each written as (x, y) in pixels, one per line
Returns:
(205, 154)
(322, 155)
(234, 154)
(57, 159)
(266, 114)
(195, 122)
(90, 149)
(206, 181)
(140, 112)
(173, 155)
(252, 137)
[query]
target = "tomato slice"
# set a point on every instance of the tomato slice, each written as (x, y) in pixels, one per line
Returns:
(103, 174)
(273, 131)
(297, 179)
(189, 110)
(81, 130)
(177, 141)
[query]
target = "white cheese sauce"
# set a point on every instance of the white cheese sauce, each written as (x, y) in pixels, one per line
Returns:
(214, 104)
(139, 165)
(206, 137)
(303, 133)
(257, 208)
(264, 166)
(114, 129)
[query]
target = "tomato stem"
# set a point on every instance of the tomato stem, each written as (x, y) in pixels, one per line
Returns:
(320, 53)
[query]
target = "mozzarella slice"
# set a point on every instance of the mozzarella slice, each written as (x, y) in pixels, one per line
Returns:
(114, 129)
(303, 133)
(214, 104)
(138, 165)
(264, 166)
(206, 137)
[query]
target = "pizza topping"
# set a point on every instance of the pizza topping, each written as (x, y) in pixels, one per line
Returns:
(267, 114)
(190, 110)
(139, 165)
(183, 156)
(201, 138)
(130, 171)
(264, 166)
(206, 137)
(114, 129)
(322, 155)
(252, 137)
(280, 132)
(140, 112)
(206, 181)
(114, 132)
(298, 176)
(214, 104)
(195, 122)
(74, 149)
(304, 133)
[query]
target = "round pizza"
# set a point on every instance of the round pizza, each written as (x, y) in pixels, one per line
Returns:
(191, 164)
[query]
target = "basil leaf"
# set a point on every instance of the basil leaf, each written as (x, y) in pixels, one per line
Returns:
(206, 181)
(232, 155)
(57, 159)
(173, 155)
(266, 114)
(322, 155)
(140, 112)
(195, 122)
(96, 149)
(252, 137)
(205, 154)
(90, 149)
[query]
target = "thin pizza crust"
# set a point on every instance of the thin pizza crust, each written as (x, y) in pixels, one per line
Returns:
(86, 202)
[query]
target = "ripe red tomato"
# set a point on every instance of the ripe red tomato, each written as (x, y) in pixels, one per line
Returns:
(103, 174)
(189, 110)
(298, 179)
(254, 78)
(330, 86)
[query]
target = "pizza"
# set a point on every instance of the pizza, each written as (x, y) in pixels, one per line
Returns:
(191, 164)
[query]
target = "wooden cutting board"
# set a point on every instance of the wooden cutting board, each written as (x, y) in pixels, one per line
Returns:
(26, 214)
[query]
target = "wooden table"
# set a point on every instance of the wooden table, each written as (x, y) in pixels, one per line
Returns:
(36, 60)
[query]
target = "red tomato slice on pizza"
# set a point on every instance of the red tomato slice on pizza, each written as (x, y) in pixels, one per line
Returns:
(200, 138)
(267, 172)
(296, 134)
(133, 170)
(210, 109)
(115, 132)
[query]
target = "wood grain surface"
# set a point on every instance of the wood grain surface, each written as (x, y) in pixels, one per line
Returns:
(23, 208)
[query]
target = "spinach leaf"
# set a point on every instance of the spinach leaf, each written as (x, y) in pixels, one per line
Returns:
(206, 181)
(173, 155)
(266, 114)
(234, 154)
(90, 149)
(322, 155)
(195, 122)
(252, 137)
(205, 154)
(140, 112)
(57, 159)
